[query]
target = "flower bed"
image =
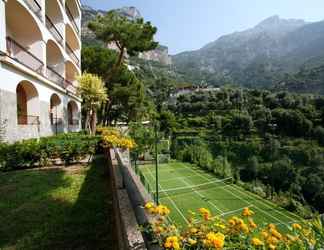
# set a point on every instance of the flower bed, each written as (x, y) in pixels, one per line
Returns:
(205, 231)
(68, 148)
(113, 138)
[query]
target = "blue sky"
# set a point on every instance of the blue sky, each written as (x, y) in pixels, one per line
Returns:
(190, 24)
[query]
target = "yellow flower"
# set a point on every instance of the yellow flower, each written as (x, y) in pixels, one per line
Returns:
(264, 234)
(162, 210)
(247, 212)
(296, 226)
(205, 213)
(252, 224)
(244, 228)
(256, 242)
(275, 233)
(172, 242)
(192, 242)
(193, 230)
(231, 222)
(215, 240)
(272, 247)
(149, 205)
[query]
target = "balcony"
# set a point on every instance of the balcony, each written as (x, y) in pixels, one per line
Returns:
(72, 55)
(35, 7)
(72, 20)
(54, 31)
(70, 85)
(54, 76)
(73, 122)
(23, 56)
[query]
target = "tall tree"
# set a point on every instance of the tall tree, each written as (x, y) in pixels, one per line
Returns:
(93, 93)
(131, 36)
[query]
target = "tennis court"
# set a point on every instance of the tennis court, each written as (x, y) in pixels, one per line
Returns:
(184, 187)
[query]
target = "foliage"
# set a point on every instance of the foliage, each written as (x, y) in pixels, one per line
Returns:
(133, 36)
(31, 153)
(263, 135)
(127, 100)
(143, 135)
(112, 137)
(93, 93)
(206, 231)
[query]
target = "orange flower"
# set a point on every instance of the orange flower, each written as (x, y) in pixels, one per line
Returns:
(247, 212)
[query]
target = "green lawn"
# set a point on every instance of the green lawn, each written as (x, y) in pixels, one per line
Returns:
(68, 208)
(222, 198)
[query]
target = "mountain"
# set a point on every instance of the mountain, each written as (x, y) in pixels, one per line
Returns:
(256, 57)
(160, 54)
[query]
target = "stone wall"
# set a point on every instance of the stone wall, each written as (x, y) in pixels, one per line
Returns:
(130, 198)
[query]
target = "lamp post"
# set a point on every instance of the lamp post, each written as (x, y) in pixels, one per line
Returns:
(156, 165)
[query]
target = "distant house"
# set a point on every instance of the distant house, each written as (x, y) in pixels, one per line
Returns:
(40, 53)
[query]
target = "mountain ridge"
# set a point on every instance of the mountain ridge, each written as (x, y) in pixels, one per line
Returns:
(255, 57)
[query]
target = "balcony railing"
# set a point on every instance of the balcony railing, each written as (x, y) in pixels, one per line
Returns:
(54, 31)
(72, 54)
(25, 57)
(57, 121)
(70, 85)
(54, 76)
(28, 120)
(69, 14)
(73, 122)
(35, 7)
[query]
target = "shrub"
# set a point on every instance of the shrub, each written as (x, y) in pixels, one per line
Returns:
(69, 148)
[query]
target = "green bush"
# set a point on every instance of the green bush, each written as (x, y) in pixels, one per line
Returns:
(68, 148)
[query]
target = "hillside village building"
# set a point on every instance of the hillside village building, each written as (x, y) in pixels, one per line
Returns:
(40, 48)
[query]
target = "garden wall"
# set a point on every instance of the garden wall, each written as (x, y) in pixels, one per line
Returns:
(129, 197)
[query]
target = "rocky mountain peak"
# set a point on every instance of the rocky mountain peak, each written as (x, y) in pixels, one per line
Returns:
(129, 12)
(275, 23)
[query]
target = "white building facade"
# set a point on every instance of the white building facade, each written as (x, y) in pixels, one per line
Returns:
(40, 58)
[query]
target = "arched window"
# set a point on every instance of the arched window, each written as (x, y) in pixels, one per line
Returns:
(27, 104)
(55, 111)
(72, 110)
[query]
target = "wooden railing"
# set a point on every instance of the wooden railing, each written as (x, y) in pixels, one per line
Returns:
(54, 31)
(70, 16)
(72, 54)
(35, 7)
(28, 120)
(54, 76)
(25, 57)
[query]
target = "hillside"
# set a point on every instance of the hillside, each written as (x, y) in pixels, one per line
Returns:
(257, 57)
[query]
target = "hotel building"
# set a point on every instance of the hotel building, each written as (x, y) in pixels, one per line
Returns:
(40, 48)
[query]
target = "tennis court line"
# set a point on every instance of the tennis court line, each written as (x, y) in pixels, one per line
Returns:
(171, 200)
(265, 203)
(180, 177)
(270, 215)
(244, 200)
(199, 194)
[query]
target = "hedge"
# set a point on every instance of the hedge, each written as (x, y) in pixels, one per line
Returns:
(67, 148)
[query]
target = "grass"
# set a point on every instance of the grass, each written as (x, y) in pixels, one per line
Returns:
(221, 198)
(67, 208)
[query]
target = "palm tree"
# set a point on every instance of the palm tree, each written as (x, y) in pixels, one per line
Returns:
(93, 93)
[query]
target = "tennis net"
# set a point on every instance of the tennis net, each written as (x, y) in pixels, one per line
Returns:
(188, 189)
